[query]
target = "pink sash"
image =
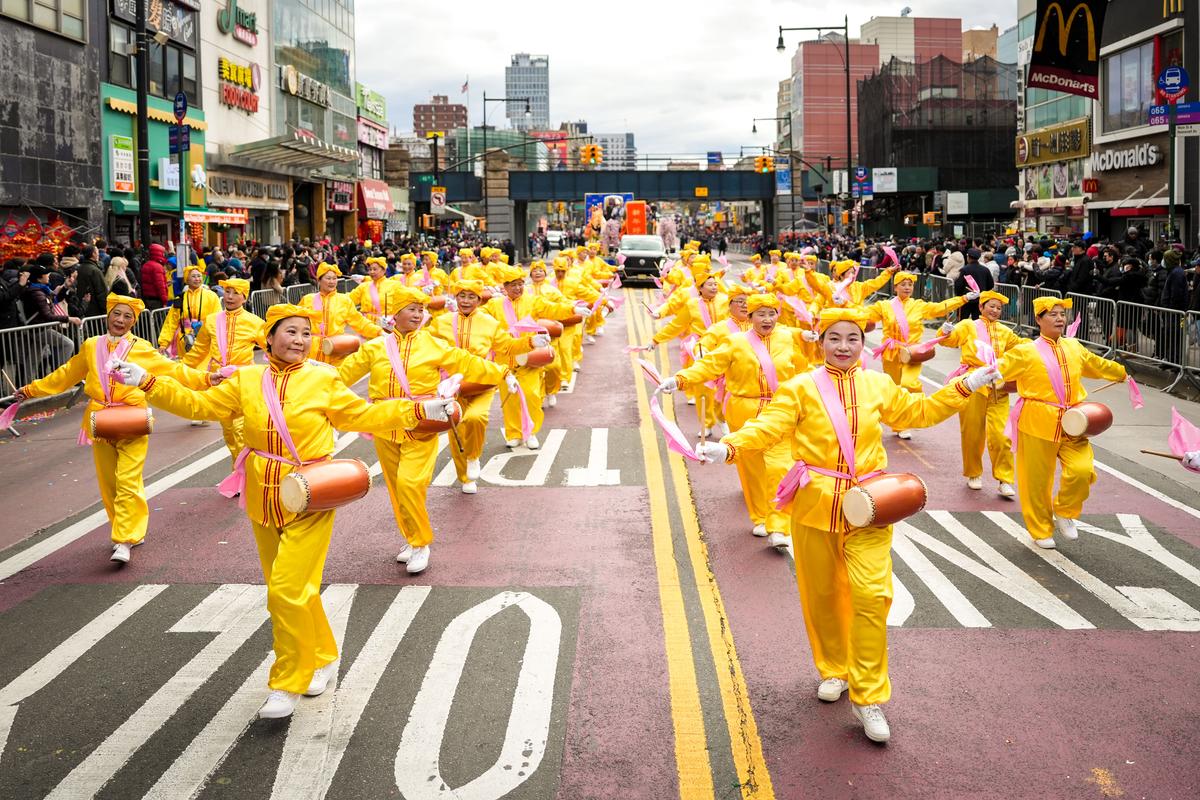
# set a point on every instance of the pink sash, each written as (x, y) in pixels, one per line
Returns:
(705, 315)
(510, 313)
(373, 289)
(399, 368)
(103, 375)
(319, 306)
(901, 323)
(1050, 361)
(222, 337)
(764, 360)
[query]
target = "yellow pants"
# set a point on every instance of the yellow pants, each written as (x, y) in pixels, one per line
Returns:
(907, 376)
(293, 559)
(982, 422)
(845, 582)
(472, 431)
(531, 384)
(577, 341)
(570, 343)
(408, 469)
(234, 440)
(594, 322)
(760, 471)
(1035, 480)
(552, 375)
(119, 468)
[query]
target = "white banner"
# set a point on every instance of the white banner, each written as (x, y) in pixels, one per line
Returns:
(885, 180)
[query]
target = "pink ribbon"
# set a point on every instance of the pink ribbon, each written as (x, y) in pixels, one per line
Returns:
(1135, 395)
(319, 307)
(1184, 438)
(801, 311)
(1050, 361)
(688, 345)
(1073, 328)
(723, 261)
(621, 259)
(526, 418)
(889, 255)
(510, 313)
(650, 371)
(972, 284)
(526, 325)
(676, 441)
(658, 282)
(9, 416)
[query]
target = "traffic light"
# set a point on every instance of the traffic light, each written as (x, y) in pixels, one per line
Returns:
(427, 222)
(932, 218)
(760, 163)
(592, 155)
(768, 164)
(911, 219)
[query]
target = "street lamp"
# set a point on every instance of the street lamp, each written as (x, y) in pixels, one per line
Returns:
(791, 174)
(845, 29)
(486, 100)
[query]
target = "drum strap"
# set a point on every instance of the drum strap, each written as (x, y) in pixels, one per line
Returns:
(763, 353)
(510, 313)
(275, 410)
(398, 365)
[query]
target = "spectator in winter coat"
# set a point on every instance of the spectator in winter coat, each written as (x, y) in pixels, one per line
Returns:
(154, 278)
(982, 276)
(1175, 289)
(1080, 278)
(89, 283)
(114, 277)
(13, 280)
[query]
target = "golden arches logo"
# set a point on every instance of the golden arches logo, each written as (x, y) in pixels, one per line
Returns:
(1172, 7)
(1065, 23)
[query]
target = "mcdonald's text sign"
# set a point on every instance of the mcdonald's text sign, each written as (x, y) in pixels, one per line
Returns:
(1066, 46)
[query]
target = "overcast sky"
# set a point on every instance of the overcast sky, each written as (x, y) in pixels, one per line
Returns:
(685, 77)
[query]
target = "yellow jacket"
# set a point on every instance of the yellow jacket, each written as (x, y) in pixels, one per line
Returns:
(82, 367)
(966, 336)
(314, 401)
(480, 334)
(916, 311)
(737, 361)
(425, 357)
(1041, 416)
(757, 276)
(858, 291)
(872, 400)
(194, 305)
(534, 306)
(810, 286)
(548, 291)
(244, 332)
(337, 311)
(361, 297)
(719, 333)
(689, 320)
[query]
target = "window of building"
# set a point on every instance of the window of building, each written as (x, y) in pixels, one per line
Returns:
(170, 69)
(371, 161)
(58, 16)
(1130, 79)
(120, 63)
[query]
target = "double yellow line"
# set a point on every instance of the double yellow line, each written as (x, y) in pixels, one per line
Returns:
(691, 740)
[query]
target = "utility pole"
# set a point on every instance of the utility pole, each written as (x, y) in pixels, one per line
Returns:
(143, 132)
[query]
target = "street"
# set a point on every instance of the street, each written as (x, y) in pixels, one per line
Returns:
(598, 622)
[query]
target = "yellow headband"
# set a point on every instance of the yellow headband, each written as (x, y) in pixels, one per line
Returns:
(790, 256)
(776, 253)
(757, 301)
(755, 258)
(738, 290)
(537, 265)
(830, 316)
(408, 257)
(282, 311)
(1043, 304)
(505, 273)
(239, 285)
(842, 267)
(324, 267)
(990, 295)
(407, 295)
(121, 300)
(900, 277)
(472, 286)
(432, 255)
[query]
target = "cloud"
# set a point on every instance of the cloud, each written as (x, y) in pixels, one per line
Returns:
(684, 77)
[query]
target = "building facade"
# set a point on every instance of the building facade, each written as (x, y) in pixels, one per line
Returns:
(914, 39)
(374, 198)
(528, 76)
(439, 114)
(620, 151)
(979, 43)
(818, 107)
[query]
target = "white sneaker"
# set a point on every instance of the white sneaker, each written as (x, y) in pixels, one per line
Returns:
(778, 540)
(691, 401)
(589, 339)
(532, 443)
(419, 560)
(320, 680)
(470, 487)
(120, 553)
(562, 387)
(705, 433)
(511, 442)
(405, 554)
(577, 368)
(552, 400)
(975, 483)
(280, 704)
(831, 690)
(1046, 544)
(199, 423)
(759, 530)
(1066, 527)
(1007, 490)
(473, 469)
(904, 434)
(875, 724)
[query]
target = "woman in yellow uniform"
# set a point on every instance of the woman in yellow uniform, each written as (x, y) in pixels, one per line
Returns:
(335, 311)
(903, 320)
(831, 420)
(120, 462)
(311, 402)
(755, 364)
(508, 309)
(187, 315)
(540, 286)
(847, 291)
(468, 328)
(701, 311)
(409, 362)
(579, 292)
(370, 296)
(1048, 372)
(983, 342)
(226, 343)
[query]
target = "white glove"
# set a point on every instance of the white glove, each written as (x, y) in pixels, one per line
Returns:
(428, 289)
(451, 305)
(654, 314)
(981, 376)
(129, 373)
(668, 385)
(584, 311)
(541, 340)
(1192, 460)
(387, 323)
(946, 329)
(437, 409)
(510, 381)
(971, 296)
(712, 452)
(811, 336)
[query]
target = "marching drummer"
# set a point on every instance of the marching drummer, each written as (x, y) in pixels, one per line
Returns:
(705, 307)
(409, 363)
(119, 462)
(1049, 372)
(187, 315)
(831, 418)
(371, 295)
(311, 402)
(552, 375)
(334, 312)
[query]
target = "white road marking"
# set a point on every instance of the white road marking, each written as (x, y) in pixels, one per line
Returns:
(218, 610)
(539, 470)
(54, 663)
(418, 774)
(596, 473)
(962, 609)
(903, 603)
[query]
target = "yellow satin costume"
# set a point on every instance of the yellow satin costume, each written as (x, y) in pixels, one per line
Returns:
(243, 332)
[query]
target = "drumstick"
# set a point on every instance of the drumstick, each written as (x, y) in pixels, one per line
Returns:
(703, 429)
(1108, 385)
(1163, 455)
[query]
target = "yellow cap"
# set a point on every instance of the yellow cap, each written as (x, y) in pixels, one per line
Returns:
(407, 295)
(900, 277)
(326, 267)
(1043, 304)
(757, 301)
(121, 300)
(840, 268)
(854, 314)
(282, 311)
(506, 273)
(239, 285)
(990, 295)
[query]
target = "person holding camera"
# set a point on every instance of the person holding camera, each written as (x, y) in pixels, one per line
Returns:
(187, 315)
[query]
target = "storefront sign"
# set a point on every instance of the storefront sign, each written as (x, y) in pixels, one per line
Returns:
(239, 191)
(371, 105)
(120, 163)
(1139, 155)
(339, 196)
(1066, 50)
(239, 84)
(242, 24)
(1058, 143)
(372, 135)
(1055, 181)
(297, 83)
(168, 175)
(885, 179)
(175, 18)
(376, 199)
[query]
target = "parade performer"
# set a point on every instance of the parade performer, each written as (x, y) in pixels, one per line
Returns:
(903, 321)
(848, 291)
(119, 462)
(983, 342)
(187, 315)
(409, 362)
(572, 283)
(370, 296)
(226, 343)
(703, 308)
(336, 311)
(807, 284)
(754, 365)
(831, 419)
(553, 375)
(1049, 372)
(291, 407)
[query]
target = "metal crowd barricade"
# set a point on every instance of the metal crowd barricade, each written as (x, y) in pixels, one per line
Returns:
(92, 326)
(1012, 309)
(1192, 354)
(1026, 297)
(262, 299)
(1154, 335)
(294, 293)
(1098, 318)
(29, 352)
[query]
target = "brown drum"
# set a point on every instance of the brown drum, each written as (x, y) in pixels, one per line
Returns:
(553, 328)
(437, 303)
(884, 499)
(910, 356)
(538, 357)
(437, 425)
(572, 320)
(1087, 419)
(870, 327)
(114, 423)
(340, 346)
(324, 485)
(469, 389)
(487, 295)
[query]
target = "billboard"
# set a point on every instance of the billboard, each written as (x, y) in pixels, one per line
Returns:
(610, 202)
(1066, 46)
(885, 180)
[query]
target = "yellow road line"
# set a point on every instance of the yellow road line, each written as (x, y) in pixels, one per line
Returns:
(691, 742)
(735, 698)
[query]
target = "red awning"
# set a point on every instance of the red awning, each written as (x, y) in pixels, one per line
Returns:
(374, 199)
(1139, 211)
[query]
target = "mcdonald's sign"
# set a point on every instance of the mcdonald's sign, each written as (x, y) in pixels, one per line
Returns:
(1066, 47)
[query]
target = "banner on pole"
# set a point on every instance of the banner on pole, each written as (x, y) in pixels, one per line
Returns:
(1066, 46)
